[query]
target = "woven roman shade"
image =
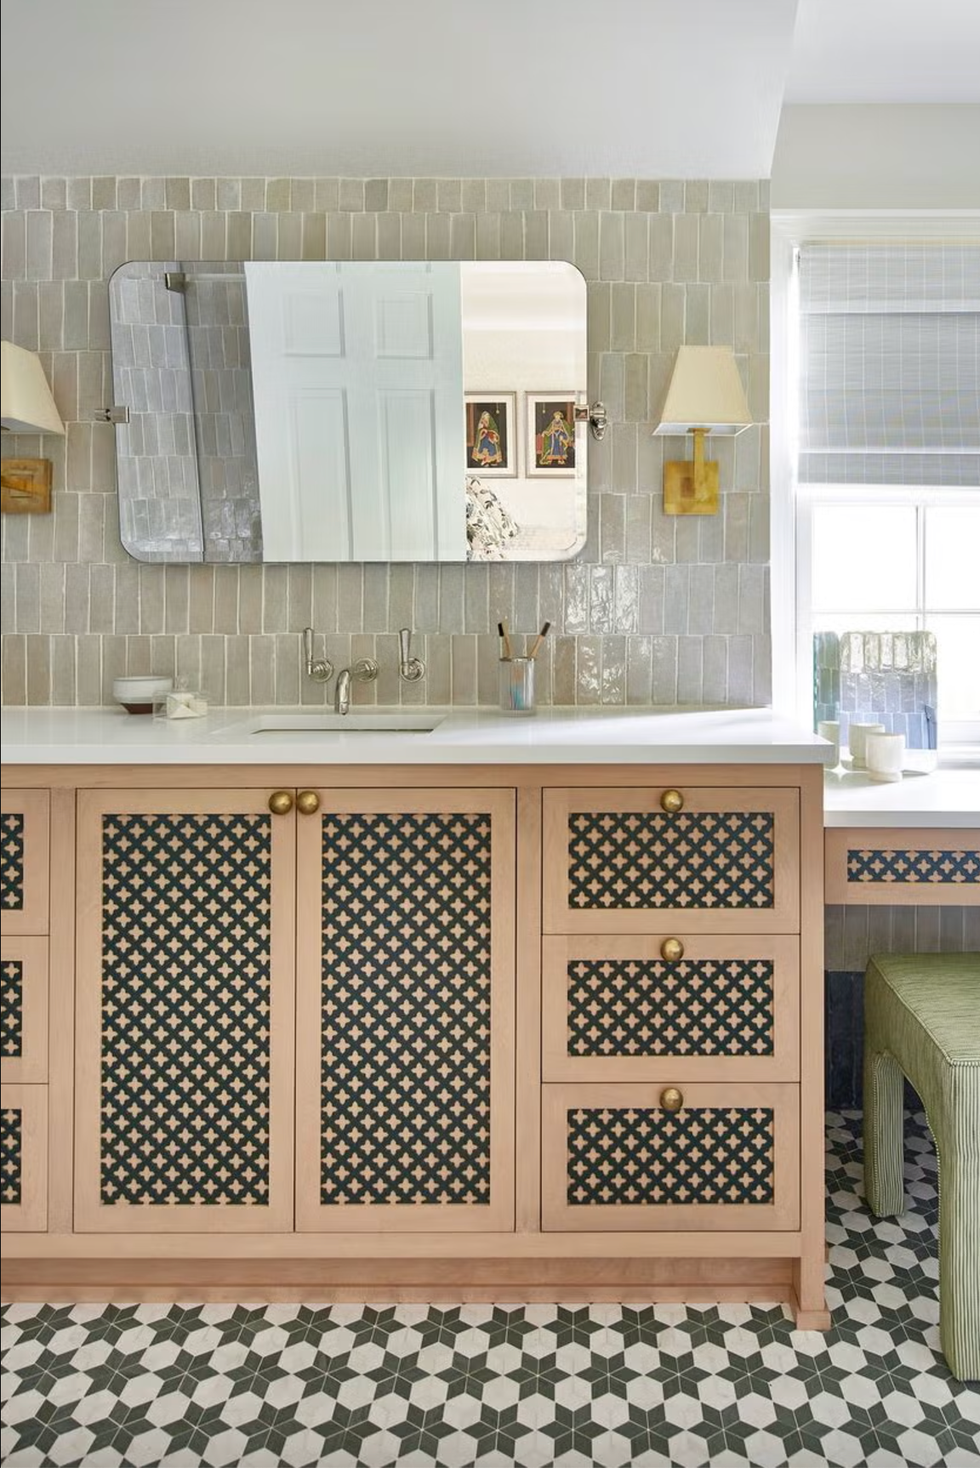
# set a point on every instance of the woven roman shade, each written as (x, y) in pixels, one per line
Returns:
(890, 363)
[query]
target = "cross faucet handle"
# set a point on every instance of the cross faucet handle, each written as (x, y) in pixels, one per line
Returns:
(410, 669)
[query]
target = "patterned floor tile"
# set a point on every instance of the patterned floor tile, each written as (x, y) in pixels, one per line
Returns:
(494, 1386)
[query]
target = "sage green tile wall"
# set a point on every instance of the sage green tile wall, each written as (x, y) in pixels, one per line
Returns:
(655, 610)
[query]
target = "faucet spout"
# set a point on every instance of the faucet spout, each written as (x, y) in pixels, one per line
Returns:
(342, 695)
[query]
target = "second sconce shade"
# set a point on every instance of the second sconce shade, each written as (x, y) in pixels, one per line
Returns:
(705, 395)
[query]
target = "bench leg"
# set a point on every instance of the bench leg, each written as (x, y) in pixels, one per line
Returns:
(959, 1260)
(884, 1149)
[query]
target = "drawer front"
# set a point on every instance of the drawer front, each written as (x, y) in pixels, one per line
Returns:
(24, 1009)
(23, 1158)
(24, 862)
(615, 1156)
(618, 861)
(911, 866)
(617, 1009)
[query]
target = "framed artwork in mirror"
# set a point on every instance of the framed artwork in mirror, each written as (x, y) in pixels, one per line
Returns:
(551, 434)
(491, 442)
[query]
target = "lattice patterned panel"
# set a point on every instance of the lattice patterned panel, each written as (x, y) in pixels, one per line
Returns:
(11, 1008)
(933, 868)
(11, 1160)
(185, 1008)
(703, 1154)
(11, 861)
(405, 1078)
(635, 859)
(650, 1007)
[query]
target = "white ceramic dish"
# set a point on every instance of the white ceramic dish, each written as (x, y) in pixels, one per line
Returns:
(137, 694)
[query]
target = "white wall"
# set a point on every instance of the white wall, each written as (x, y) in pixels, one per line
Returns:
(877, 157)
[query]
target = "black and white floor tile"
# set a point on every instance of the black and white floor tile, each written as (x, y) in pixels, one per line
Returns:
(157, 1386)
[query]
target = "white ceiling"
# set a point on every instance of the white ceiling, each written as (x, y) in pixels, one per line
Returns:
(654, 88)
(899, 51)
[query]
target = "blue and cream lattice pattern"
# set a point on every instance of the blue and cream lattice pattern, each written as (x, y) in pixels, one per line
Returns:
(185, 1008)
(11, 861)
(11, 1008)
(11, 1154)
(491, 1386)
(934, 868)
(652, 1007)
(703, 1154)
(636, 859)
(405, 1063)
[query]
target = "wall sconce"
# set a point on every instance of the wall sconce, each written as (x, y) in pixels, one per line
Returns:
(26, 406)
(705, 396)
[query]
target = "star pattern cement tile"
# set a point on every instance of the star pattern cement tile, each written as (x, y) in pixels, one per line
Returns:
(161, 1386)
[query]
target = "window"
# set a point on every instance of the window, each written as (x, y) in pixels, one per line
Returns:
(887, 452)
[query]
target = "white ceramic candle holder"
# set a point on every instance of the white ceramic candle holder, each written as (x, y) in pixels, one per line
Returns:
(856, 736)
(885, 756)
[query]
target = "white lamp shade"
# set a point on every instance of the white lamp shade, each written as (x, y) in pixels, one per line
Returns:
(705, 392)
(26, 404)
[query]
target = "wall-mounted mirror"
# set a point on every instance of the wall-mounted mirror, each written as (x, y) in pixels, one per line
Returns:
(350, 410)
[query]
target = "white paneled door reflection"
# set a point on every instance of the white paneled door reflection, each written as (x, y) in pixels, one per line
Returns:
(358, 384)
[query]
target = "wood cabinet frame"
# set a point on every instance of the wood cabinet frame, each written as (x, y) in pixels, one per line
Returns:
(31, 920)
(782, 1065)
(31, 1066)
(30, 1215)
(840, 840)
(782, 917)
(782, 1213)
(498, 1214)
(91, 1214)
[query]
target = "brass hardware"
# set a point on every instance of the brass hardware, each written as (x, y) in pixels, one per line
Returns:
(26, 487)
(281, 802)
(672, 949)
(307, 802)
(691, 485)
(672, 801)
(671, 1099)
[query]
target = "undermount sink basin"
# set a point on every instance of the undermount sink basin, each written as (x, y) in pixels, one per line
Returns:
(360, 723)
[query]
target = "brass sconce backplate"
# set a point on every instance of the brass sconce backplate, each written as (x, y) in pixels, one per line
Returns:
(26, 486)
(679, 492)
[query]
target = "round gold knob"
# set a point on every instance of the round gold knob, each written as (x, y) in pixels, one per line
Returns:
(281, 802)
(672, 801)
(307, 802)
(671, 1099)
(672, 949)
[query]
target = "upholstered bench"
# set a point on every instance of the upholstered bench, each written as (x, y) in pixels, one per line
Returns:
(922, 1020)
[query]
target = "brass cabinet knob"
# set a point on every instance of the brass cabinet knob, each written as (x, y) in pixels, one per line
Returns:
(671, 1099)
(672, 949)
(307, 802)
(672, 801)
(281, 802)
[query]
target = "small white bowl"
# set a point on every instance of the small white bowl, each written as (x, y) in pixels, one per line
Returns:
(137, 694)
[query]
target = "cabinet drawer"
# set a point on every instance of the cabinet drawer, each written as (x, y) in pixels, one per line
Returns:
(619, 1009)
(621, 861)
(614, 1157)
(24, 1158)
(24, 862)
(910, 866)
(24, 1009)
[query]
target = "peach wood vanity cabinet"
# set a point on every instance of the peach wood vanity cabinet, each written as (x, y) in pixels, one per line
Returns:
(326, 1032)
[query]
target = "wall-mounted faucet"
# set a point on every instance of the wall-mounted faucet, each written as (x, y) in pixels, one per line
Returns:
(365, 670)
(410, 669)
(319, 669)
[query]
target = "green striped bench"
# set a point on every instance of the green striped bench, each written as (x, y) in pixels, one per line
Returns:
(922, 1020)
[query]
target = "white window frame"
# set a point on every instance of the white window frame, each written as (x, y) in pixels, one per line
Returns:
(791, 509)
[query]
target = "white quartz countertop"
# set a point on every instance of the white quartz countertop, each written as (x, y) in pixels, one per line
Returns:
(947, 796)
(462, 736)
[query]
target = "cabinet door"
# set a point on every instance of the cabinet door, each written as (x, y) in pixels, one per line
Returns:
(711, 1009)
(24, 862)
(614, 1157)
(617, 861)
(23, 1158)
(405, 1011)
(184, 1012)
(24, 1009)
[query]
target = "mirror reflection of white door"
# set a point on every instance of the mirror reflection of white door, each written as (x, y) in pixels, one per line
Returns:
(358, 383)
